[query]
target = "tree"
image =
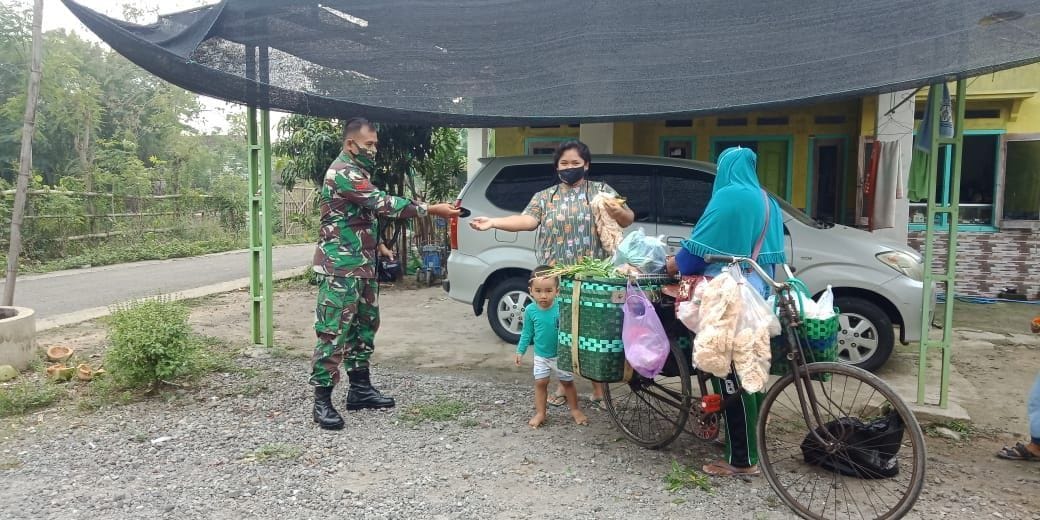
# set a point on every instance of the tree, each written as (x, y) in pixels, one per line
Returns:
(305, 147)
(25, 158)
(445, 166)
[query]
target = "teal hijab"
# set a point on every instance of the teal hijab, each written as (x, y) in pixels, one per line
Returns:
(736, 214)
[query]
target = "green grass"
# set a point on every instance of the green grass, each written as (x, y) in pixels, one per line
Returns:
(682, 477)
(270, 452)
(26, 396)
(965, 429)
(441, 410)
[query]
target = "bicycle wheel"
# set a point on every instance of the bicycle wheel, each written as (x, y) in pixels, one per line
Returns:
(651, 411)
(859, 414)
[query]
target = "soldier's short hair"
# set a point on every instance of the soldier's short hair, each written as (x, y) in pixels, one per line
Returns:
(355, 125)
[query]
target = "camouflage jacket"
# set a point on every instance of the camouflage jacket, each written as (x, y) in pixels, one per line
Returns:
(350, 207)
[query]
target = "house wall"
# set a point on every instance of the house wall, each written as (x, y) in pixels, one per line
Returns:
(988, 263)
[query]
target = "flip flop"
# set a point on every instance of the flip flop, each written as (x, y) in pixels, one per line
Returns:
(721, 469)
(1017, 452)
(598, 403)
(557, 400)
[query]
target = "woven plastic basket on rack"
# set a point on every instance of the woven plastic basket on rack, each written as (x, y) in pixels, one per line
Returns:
(821, 338)
(591, 319)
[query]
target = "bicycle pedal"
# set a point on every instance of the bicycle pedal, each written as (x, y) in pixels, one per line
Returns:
(711, 403)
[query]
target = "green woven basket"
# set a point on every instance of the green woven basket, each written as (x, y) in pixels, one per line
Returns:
(821, 338)
(601, 353)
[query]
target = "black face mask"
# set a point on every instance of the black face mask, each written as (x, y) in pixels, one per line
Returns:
(570, 176)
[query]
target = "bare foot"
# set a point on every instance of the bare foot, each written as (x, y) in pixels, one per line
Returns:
(579, 418)
(537, 420)
(722, 469)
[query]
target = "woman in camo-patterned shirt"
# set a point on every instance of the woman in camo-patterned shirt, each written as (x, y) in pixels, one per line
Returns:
(562, 217)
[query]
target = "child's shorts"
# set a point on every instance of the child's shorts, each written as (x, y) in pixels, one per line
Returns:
(544, 366)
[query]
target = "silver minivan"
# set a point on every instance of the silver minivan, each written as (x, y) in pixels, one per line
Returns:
(877, 285)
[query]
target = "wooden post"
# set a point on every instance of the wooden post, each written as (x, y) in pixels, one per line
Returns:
(25, 158)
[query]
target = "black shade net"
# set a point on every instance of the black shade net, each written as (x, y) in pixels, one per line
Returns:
(533, 62)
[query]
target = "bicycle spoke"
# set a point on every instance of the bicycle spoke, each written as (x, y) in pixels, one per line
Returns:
(834, 482)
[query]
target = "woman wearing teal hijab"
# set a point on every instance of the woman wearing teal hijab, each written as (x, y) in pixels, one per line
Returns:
(739, 217)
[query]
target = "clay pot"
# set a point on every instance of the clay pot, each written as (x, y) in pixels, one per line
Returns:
(84, 372)
(60, 372)
(59, 353)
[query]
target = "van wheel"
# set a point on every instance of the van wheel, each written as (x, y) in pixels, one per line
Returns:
(506, 304)
(865, 335)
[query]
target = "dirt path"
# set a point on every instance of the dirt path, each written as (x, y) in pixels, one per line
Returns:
(424, 333)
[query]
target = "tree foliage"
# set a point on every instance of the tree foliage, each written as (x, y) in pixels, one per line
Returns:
(104, 125)
(307, 145)
(94, 103)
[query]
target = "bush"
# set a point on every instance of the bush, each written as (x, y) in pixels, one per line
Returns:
(27, 396)
(151, 343)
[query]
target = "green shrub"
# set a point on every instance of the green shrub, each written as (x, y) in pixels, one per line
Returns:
(27, 396)
(151, 343)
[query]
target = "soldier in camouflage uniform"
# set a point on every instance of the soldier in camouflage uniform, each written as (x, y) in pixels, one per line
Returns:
(347, 314)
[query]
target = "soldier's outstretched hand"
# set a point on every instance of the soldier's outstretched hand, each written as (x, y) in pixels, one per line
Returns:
(443, 210)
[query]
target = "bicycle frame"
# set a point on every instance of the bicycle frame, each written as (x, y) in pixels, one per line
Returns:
(791, 321)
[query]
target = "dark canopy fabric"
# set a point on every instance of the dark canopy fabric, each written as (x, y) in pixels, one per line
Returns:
(535, 62)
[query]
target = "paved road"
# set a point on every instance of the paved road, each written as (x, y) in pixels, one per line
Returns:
(66, 292)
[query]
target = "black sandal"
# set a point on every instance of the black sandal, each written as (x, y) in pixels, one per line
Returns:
(1018, 452)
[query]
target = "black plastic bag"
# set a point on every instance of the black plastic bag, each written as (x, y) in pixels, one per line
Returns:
(388, 270)
(869, 449)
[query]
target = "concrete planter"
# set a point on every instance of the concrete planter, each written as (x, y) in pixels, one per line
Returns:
(17, 336)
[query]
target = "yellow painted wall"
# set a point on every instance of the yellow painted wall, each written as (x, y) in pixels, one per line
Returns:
(1014, 92)
(511, 141)
(644, 137)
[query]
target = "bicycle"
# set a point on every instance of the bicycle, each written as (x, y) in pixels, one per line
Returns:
(811, 448)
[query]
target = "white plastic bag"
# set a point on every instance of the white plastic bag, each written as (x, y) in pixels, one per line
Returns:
(689, 312)
(720, 311)
(756, 324)
(646, 253)
(758, 312)
(824, 307)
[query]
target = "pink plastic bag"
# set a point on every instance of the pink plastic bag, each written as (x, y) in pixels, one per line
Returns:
(646, 343)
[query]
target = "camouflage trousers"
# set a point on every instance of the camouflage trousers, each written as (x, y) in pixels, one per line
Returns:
(345, 321)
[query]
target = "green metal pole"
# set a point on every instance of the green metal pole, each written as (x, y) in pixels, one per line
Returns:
(954, 188)
(261, 273)
(934, 104)
(948, 210)
(267, 213)
(255, 242)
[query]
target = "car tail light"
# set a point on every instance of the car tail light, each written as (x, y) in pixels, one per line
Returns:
(453, 227)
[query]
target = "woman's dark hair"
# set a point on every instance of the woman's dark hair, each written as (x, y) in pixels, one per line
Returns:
(573, 144)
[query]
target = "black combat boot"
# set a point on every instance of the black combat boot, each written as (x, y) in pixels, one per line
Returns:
(362, 395)
(324, 413)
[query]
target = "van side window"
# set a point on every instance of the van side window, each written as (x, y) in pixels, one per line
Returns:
(514, 186)
(631, 181)
(682, 195)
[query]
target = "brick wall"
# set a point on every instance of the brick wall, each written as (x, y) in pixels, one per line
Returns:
(987, 263)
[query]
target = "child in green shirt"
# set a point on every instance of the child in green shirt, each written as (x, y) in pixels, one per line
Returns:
(541, 327)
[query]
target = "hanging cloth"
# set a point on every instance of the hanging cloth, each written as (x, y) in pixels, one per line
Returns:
(917, 189)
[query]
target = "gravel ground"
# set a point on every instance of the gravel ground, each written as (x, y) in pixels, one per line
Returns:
(243, 446)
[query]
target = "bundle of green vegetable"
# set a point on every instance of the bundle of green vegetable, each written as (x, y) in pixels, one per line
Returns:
(586, 268)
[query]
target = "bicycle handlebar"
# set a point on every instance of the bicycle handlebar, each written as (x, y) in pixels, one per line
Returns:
(723, 259)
